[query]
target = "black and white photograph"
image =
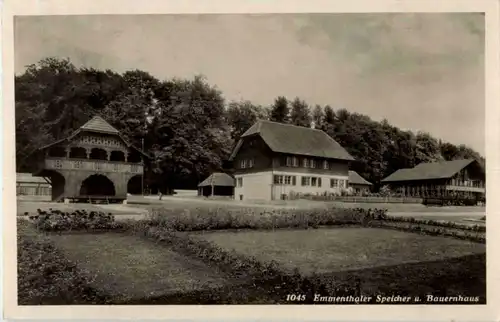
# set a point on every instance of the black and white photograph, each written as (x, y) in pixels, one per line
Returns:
(323, 158)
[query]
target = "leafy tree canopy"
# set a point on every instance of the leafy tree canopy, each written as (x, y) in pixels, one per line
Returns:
(188, 127)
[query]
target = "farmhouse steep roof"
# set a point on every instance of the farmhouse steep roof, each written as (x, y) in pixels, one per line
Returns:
(429, 171)
(355, 178)
(218, 179)
(292, 139)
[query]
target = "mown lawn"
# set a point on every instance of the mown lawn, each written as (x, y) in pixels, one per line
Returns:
(341, 249)
(129, 267)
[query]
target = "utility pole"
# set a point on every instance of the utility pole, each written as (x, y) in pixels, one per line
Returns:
(143, 169)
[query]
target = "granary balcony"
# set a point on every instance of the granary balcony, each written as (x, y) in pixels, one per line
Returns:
(60, 163)
(465, 188)
(466, 185)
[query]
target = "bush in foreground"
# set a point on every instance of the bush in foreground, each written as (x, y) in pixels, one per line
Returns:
(220, 218)
(56, 220)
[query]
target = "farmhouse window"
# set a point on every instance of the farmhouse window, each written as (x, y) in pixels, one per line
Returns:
(306, 181)
(313, 163)
(341, 183)
(288, 161)
(294, 181)
(325, 165)
(334, 183)
(295, 161)
(278, 179)
(243, 164)
(250, 163)
(314, 181)
(288, 179)
(319, 182)
(306, 163)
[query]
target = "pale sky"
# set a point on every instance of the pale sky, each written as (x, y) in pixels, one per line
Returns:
(420, 71)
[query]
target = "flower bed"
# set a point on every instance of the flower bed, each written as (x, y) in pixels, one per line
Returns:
(56, 220)
(446, 224)
(413, 227)
(213, 219)
(198, 219)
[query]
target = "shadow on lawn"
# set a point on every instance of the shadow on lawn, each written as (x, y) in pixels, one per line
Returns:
(465, 276)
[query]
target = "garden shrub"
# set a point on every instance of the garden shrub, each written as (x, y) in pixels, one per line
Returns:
(56, 220)
(221, 218)
(416, 227)
(446, 224)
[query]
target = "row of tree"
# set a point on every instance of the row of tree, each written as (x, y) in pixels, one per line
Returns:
(187, 126)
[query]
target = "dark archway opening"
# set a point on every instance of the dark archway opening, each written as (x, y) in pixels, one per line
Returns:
(57, 183)
(218, 191)
(57, 152)
(134, 185)
(98, 154)
(117, 156)
(78, 153)
(97, 185)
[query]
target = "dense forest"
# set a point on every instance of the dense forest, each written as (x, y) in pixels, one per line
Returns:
(188, 127)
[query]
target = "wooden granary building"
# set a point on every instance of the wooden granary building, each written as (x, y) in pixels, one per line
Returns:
(458, 178)
(94, 163)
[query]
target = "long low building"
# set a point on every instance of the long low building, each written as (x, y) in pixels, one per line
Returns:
(465, 178)
(28, 185)
(357, 183)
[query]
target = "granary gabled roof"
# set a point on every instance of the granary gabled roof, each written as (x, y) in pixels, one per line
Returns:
(355, 178)
(429, 171)
(98, 124)
(292, 139)
(218, 179)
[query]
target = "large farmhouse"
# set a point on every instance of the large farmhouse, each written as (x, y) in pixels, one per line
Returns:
(465, 178)
(94, 163)
(273, 161)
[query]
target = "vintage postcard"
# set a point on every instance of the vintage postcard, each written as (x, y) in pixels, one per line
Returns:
(286, 160)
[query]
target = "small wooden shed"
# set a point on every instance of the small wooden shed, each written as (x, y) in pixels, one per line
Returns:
(217, 184)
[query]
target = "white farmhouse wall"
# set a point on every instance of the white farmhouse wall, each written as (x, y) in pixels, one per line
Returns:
(279, 190)
(260, 186)
(256, 186)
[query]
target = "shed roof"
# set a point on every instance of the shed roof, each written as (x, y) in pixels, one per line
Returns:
(218, 179)
(29, 178)
(429, 171)
(299, 140)
(355, 178)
